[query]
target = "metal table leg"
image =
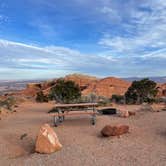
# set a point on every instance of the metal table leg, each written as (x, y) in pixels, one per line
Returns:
(56, 121)
(93, 119)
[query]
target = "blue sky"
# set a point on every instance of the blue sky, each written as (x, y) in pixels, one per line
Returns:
(48, 39)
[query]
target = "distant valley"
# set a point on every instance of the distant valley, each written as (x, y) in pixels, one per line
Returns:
(10, 86)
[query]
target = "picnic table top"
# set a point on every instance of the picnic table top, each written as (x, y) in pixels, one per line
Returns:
(75, 105)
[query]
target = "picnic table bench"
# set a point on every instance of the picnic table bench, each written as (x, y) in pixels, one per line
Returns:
(74, 109)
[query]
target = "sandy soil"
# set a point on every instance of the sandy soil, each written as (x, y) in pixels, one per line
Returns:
(82, 144)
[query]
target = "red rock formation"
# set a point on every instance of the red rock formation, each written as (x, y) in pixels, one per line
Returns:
(161, 90)
(82, 80)
(47, 140)
(107, 87)
(102, 87)
(29, 92)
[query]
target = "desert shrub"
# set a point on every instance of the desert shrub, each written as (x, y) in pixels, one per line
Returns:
(93, 98)
(141, 91)
(104, 101)
(8, 103)
(119, 99)
(40, 97)
(65, 92)
(161, 100)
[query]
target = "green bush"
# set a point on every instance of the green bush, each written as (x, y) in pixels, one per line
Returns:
(141, 91)
(119, 99)
(93, 98)
(65, 92)
(40, 97)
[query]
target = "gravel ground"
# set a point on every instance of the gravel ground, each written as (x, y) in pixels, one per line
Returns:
(145, 145)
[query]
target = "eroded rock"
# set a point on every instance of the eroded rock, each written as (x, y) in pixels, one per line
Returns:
(47, 140)
(109, 130)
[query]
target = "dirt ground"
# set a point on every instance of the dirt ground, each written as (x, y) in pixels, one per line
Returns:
(83, 145)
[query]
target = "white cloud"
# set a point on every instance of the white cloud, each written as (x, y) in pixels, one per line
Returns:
(145, 29)
(27, 61)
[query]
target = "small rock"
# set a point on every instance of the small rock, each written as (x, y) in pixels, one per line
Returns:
(23, 135)
(124, 114)
(109, 130)
(131, 113)
(47, 140)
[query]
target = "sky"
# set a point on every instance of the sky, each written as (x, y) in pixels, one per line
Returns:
(52, 38)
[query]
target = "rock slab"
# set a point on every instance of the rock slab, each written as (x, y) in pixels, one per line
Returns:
(109, 130)
(47, 140)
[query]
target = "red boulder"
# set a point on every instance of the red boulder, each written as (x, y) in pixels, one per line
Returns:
(109, 130)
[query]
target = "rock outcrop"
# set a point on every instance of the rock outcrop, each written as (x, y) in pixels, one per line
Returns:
(161, 90)
(107, 87)
(109, 130)
(34, 85)
(47, 140)
(82, 80)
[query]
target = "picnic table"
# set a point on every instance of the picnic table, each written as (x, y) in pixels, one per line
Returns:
(74, 109)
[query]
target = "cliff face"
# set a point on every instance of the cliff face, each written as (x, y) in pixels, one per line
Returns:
(107, 87)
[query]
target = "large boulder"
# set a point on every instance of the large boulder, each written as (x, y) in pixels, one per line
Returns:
(47, 140)
(109, 130)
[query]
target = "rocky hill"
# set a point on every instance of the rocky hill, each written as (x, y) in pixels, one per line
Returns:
(107, 87)
(82, 80)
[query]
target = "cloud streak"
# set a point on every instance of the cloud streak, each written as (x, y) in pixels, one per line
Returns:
(44, 61)
(145, 30)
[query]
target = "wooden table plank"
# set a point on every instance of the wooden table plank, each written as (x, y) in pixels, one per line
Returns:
(73, 113)
(75, 105)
